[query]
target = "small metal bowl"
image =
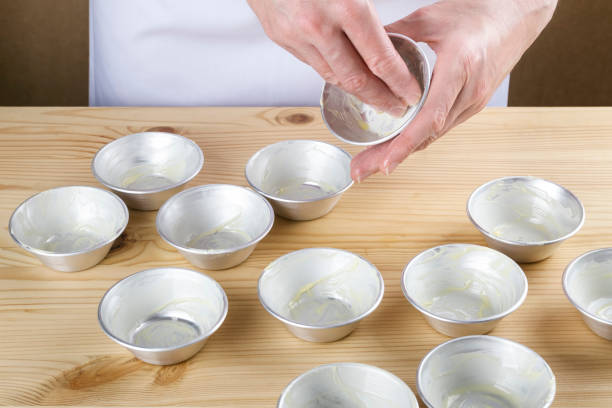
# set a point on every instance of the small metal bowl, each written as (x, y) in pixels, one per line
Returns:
(485, 371)
(347, 385)
(303, 179)
(215, 226)
(526, 218)
(464, 289)
(69, 228)
(354, 122)
(145, 169)
(587, 282)
(320, 294)
(163, 315)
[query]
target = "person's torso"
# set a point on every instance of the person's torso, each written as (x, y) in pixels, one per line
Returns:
(198, 52)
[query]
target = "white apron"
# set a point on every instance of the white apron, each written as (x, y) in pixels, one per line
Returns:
(202, 53)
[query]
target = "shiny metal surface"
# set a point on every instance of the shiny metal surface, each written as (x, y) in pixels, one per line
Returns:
(351, 123)
(163, 315)
(485, 371)
(302, 179)
(215, 226)
(464, 289)
(347, 385)
(587, 282)
(526, 218)
(320, 294)
(69, 228)
(145, 169)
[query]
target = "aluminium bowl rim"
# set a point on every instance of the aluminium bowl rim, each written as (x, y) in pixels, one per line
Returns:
(155, 190)
(489, 338)
(353, 320)
(230, 250)
(565, 285)
(419, 105)
(523, 244)
(518, 303)
(290, 201)
(347, 364)
(41, 252)
(201, 337)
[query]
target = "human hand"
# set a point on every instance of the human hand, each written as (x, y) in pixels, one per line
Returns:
(477, 43)
(345, 42)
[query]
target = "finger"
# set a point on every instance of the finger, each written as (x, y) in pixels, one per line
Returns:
(472, 99)
(309, 55)
(354, 76)
(447, 81)
(457, 115)
(367, 162)
(369, 38)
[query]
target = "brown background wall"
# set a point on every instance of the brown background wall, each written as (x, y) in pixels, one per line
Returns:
(570, 64)
(44, 55)
(44, 52)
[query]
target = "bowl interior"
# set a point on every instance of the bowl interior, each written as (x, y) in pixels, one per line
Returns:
(163, 308)
(320, 287)
(148, 161)
(215, 218)
(525, 210)
(485, 371)
(464, 282)
(347, 385)
(68, 219)
(299, 170)
(589, 283)
(356, 122)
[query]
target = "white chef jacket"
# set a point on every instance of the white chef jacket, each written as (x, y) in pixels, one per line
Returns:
(202, 53)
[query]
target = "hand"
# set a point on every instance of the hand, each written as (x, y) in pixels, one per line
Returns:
(477, 43)
(345, 42)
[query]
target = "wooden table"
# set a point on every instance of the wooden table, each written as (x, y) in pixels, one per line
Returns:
(52, 351)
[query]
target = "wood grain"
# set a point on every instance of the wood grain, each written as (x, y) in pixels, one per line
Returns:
(52, 351)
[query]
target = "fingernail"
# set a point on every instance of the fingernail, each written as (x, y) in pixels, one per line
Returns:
(357, 176)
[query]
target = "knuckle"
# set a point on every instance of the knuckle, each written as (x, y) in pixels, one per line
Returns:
(473, 60)
(350, 9)
(356, 82)
(307, 24)
(428, 141)
(381, 64)
(277, 32)
(328, 76)
(439, 120)
(425, 13)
